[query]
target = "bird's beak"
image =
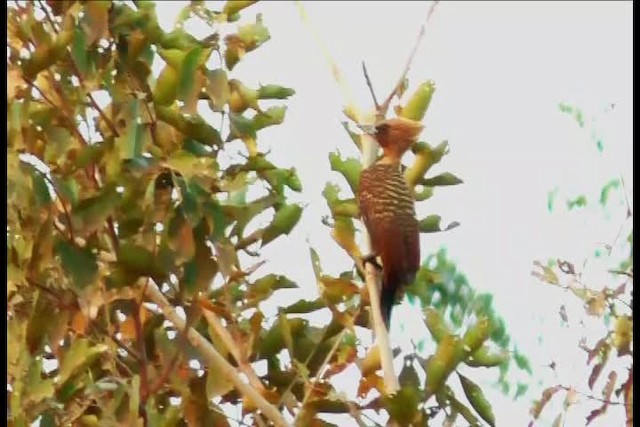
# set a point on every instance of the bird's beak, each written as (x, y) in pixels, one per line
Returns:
(368, 129)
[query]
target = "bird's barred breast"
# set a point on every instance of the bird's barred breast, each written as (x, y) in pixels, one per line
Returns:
(384, 192)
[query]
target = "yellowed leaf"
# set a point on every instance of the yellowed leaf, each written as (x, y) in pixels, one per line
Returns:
(623, 335)
(79, 322)
(596, 304)
(371, 362)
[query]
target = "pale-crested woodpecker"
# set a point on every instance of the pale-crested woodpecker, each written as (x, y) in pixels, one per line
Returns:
(387, 208)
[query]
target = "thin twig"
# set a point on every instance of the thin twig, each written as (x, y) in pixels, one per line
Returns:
(213, 359)
(64, 207)
(590, 396)
(71, 124)
(623, 273)
(131, 351)
(319, 374)
(48, 16)
(93, 102)
(382, 111)
(250, 239)
(370, 85)
(144, 379)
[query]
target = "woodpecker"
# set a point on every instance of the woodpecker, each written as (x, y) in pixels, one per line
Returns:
(387, 208)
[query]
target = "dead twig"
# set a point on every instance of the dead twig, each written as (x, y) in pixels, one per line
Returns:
(382, 110)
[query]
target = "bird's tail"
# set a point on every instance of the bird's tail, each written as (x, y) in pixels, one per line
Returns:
(387, 299)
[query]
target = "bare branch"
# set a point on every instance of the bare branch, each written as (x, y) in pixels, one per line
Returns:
(233, 348)
(382, 111)
(213, 359)
(319, 374)
(370, 85)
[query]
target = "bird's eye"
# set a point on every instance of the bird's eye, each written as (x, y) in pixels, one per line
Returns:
(382, 128)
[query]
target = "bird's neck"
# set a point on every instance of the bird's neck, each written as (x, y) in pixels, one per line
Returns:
(391, 156)
(388, 160)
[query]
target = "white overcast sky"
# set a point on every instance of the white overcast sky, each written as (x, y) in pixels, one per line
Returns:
(501, 69)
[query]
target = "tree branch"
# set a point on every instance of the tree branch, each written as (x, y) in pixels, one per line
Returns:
(370, 85)
(382, 110)
(231, 345)
(213, 358)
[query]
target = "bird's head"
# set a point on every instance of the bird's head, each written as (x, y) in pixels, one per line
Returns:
(395, 135)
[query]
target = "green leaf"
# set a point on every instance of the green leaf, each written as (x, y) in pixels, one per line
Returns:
(436, 324)
(264, 287)
(179, 39)
(349, 168)
(448, 355)
(283, 222)
(192, 61)
(418, 104)
(315, 264)
(335, 290)
(241, 126)
(166, 89)
(40, 189)
(36, 389)
(275, 92)
(443, 179)
(403, 405)
(189, 165)
(235, 6)
(339, 207)
(253, 35)
(78, 357)
(431, 224)
(191, 126)
(90, 214)
(217, 384)
(39, 324)
(89, 154)
(522, 362)
(217, 88)
(604, 193)
(79, 51)
(461, 408)
(476, 335)
(521, 389)
(304, 306)
(79, 263)
(130, 142)
(137, 259)
(551, 195)
(273, 116)
(578, 202)
(96, 20)
(273, 341)
(577, 114)
(45, 54)
(477, 399)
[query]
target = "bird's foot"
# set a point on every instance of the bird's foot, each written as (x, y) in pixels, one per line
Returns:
(371, 259)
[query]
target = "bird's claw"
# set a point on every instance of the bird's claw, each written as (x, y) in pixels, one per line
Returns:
(371, 259)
